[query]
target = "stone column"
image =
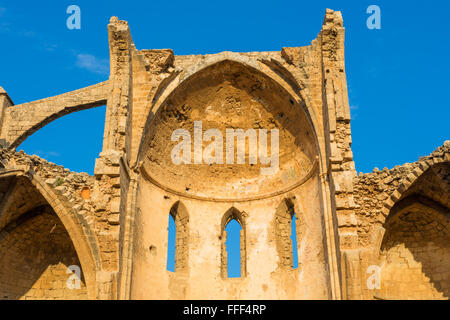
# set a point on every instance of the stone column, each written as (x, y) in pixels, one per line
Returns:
(338, 136)
(120, 44)
(107, 171)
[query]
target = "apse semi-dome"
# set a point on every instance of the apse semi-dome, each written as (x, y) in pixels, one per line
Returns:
(229, 95)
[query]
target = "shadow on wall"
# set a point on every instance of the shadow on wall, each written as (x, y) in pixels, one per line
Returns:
(415, 252)
(178, 236)
(35, 252)
(229, 95)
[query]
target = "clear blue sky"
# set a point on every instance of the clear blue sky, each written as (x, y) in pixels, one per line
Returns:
(397, 76)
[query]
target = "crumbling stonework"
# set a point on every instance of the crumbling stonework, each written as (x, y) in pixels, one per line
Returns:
(114, 225)
(35, 254)
(404, 212)
(181, 218)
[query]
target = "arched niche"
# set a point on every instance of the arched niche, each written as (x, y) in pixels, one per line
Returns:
(20, 210)
(38, 258)
(415, 252)
(228, 95)
(411, 243)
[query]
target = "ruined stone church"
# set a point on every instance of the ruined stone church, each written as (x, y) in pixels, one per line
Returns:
(380, 235)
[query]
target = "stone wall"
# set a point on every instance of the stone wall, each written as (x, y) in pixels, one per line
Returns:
(75, 198)
(415, 255)
(34, 258)
(377, 192)
(114, 224)
(378, 197)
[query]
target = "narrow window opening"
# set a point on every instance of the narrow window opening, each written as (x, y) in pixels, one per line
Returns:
(171, 246)
(233, 247)
(294, 242)
(178, 239)
(232, 238)
(288, 230)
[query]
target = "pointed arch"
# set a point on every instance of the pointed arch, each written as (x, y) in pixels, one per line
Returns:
(83, 238)
(239, 216)
(406, 185)
(422, 167)
(32, 116)
(239, 84)
(283, 219)
(36, 258)
(282, 80)
(416, 245)
(413, 237)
